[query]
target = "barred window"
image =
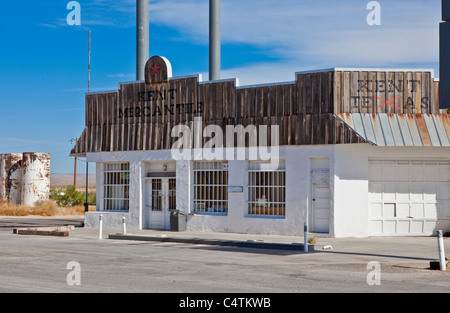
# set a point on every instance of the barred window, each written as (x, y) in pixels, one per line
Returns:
(267, 189)
(211, 187)
(116, 186)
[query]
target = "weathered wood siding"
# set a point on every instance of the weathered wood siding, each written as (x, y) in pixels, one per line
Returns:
(385, 92)
(140, 115)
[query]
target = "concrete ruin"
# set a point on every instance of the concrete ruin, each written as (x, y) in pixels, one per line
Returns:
(24, 178)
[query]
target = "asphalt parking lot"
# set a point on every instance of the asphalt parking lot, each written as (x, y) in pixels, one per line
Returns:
(83, 263)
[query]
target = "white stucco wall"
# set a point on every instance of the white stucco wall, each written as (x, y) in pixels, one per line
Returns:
(298, 197)
(348, 169)
(351, 186)
(351, 190)
(137, 160)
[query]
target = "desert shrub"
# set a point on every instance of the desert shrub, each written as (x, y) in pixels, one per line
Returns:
(44, 208)
(70, 196)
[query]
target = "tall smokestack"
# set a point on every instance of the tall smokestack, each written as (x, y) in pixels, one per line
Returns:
(142, 37)
(214, 39)
(444, 58)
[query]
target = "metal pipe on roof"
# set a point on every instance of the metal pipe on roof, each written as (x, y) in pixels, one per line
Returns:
(142, 37)
(444, 57)
(214, 40)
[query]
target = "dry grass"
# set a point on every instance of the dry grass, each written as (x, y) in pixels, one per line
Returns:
(47, 208)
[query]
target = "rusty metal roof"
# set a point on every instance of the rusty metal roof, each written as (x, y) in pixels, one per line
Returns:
(385, 129)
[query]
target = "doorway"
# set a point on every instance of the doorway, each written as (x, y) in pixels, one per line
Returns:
(321, 208)
(320, 201)
(160, 199)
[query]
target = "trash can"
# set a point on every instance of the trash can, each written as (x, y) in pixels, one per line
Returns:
(177, 220)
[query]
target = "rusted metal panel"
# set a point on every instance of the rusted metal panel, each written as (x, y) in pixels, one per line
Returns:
(11, 177)
(440, 129)
(396, 132)
(439, 121)
(388, 129)
(404, 129)
(378, 131)
(348, 119)
(36, 178)
(446, 122)
(432, 132)
(415, 135)
(368, 127)
(15, 181)
(358, 125)
(423, 131)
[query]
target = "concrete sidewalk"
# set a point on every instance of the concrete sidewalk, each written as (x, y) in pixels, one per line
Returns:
(219, 239)
(348, 250)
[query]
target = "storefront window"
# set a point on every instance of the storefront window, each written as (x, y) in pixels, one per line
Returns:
(211, 187)
(266, 189)
(116, 186)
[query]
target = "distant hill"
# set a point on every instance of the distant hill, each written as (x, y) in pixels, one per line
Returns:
(62, 180)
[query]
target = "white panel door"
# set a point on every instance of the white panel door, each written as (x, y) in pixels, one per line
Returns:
(407, 197)
(321, 208)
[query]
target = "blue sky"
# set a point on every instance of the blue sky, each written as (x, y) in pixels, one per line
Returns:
(44, 61)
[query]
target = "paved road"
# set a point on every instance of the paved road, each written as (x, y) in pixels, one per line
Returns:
(39, 264)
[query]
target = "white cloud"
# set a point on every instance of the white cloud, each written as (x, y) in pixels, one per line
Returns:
(304, 33)
(315, 31)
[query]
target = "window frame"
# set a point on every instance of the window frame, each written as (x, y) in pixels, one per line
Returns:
(264, 180)
(219, 172)
(116, 186)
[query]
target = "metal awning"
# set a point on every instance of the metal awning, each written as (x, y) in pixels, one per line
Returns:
(385, 129)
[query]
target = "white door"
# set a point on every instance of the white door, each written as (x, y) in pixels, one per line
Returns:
(160, 199)
(321, 208)
(408, 197)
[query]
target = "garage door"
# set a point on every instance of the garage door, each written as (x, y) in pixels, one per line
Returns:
(408, 197)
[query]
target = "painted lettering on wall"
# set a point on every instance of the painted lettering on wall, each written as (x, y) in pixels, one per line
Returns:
(159, 102)
(369, 91)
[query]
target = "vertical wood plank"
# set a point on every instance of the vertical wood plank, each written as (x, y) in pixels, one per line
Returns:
(435, 100)
(308, 93)
(409, 95)
(425, 101)
(397, 86)
(391, 103)
(355, 92)
(346, 93)
(299, 106)
(337, 92)
(365, 90)
(418, 92)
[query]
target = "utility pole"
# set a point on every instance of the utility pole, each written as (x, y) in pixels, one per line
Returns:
(75, 165)
(86, 204)
(89, 64)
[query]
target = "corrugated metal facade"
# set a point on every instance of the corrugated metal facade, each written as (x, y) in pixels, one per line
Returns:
(401, 129)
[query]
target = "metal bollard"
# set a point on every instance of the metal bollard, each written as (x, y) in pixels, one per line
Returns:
(442, 264)
(305, 236)
(124, 225)
(100, 227)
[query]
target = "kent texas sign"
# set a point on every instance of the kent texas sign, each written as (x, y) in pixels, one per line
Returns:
(368, 90)
(385, 91)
